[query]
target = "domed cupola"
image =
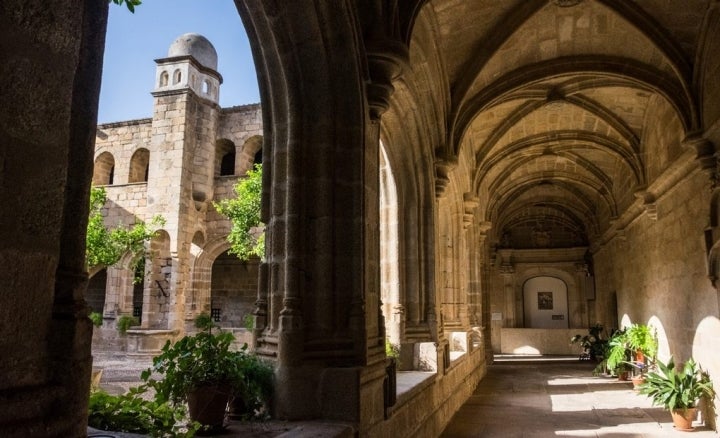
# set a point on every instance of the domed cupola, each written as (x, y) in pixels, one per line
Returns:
(197, 46)
(191, 63)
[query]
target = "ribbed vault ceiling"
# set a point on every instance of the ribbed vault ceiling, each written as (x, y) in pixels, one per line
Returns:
(561, 113)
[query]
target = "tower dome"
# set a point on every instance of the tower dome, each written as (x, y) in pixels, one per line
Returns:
(197, 46)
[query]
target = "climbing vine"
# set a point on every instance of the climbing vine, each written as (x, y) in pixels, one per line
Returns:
(246, 237)
(104, 246)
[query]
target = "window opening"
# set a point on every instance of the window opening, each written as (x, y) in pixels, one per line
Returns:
(227, 165)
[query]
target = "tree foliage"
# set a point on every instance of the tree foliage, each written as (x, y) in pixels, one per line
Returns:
(105, 247)
(129, 3)
(244, 213)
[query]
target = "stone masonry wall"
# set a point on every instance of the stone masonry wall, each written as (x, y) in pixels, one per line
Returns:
(659, 274)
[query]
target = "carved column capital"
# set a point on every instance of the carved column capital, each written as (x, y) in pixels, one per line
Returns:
(649, 203)
(386, 59)
(443, 167)
(507, 269)
(706, 155)
(470, 203)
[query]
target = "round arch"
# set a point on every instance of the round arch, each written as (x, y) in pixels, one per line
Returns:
(545, 302)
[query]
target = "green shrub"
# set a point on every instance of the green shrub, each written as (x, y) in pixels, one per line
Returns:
(205, 359)
(96, 318)
(130, 412)
(204, 322)
(244, 214)
(391, 350)
(125, 322)
(248, 321)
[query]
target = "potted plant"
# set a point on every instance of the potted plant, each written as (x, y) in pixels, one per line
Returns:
(678, 390)
(252, 392)
(203, 371)
(593, 344)
(618, 356)
(642, 342)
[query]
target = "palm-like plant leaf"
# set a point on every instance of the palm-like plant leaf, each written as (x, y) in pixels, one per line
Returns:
(674, 389)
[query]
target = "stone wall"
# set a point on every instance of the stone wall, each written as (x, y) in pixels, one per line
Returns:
(167, 166)
(428, 410)
(539, 341)
(657, 273)
(233, 289)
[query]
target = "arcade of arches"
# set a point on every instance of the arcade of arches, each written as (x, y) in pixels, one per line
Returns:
(461, 177)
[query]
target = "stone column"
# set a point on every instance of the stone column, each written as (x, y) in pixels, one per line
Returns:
(577, 298)
(320, 162)
(508, 276)
(51, 65)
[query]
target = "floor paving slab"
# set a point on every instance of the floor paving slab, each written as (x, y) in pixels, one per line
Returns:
(539, 399)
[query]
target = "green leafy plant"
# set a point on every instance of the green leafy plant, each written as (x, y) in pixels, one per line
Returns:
(129, 3)
(642, 338)
(105, 247)
(677, 388)
(205, 359)
(593, 344)
(618, 354)
(96, 318)
(130, 412)
(255, 387)
(391, 350)
(204, 322)
(125, 322)
(248, 321)
(244, 213)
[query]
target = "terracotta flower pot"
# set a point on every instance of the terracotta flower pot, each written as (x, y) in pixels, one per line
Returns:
(207, 405)
(637, 381)
(683, 418)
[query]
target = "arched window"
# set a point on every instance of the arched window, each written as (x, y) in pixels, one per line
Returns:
(227, 164)
(251, 154)
(164, 79)
(177, 76)
(139, 166)
(104, 170)
(225, 157)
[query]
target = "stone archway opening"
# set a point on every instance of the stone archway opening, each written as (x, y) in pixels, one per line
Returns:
(233, 290)
(545, 303)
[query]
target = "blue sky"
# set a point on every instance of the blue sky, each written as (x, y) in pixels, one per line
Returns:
(134, 41)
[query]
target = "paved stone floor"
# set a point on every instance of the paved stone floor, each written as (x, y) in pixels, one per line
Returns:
(520, 399)
(517, 399)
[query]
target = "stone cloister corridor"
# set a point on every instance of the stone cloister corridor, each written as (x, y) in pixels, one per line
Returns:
(457, 178)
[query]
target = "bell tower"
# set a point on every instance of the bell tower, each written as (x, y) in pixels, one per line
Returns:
(181, 172)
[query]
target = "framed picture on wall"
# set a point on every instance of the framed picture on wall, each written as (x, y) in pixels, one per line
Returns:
(545, 300)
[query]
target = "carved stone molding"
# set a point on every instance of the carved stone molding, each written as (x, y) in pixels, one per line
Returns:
(582, 268)
(386, 62)
(649, 203)
(443, 167)
(470, 203)
(566, 3)
(705, 155)
(507, 269)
